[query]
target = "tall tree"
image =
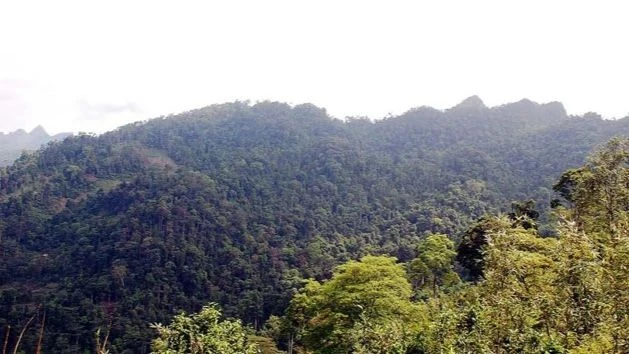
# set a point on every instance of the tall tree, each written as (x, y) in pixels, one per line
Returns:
(202, 333)
(434, 266)
(598, 192)
(366, 304)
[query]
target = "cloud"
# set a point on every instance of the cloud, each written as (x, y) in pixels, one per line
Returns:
(105, 114)
(7, 91)
(367, 60)
(14, 105)
(99, 111)
(12, 90)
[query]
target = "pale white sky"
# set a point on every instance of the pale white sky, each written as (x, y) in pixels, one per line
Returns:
(92, 66)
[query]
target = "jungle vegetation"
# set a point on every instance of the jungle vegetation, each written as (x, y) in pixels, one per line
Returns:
(427, 232)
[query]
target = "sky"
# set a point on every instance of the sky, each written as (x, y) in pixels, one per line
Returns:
(92, 66)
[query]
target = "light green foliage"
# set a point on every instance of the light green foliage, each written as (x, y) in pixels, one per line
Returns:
(379, 337)
(365, 306)
(202, 333)
(510, 310)
(471, 250)
(596, 238)
(599, 191)
(265, 345)
(453, 322)
(568, 294)
(519, 294)
(433, 267)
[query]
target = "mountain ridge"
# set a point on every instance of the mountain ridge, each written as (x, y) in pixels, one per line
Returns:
(14, 143)
(237, 203)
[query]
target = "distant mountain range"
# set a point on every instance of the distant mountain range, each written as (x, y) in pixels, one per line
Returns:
(13, 144)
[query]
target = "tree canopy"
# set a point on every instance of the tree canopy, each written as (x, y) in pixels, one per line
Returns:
(237, 203)
(364, 306)
(202, 333)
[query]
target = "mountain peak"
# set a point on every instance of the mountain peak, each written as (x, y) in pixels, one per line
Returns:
(472, 102)
(547, 112)
(19, 132)
(556, 108)
(39, 131)
(472, 105)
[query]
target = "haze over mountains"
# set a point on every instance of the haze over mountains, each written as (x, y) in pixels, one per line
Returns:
(12, 144)
(236, 203)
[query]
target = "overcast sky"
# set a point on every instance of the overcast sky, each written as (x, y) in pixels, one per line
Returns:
(82, 66)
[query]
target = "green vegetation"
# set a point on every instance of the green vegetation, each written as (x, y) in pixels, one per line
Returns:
(566, 294)
(365, 306)
(237, 204)
(202, 333)
(433, 266)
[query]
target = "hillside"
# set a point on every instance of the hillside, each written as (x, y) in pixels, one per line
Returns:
(13, 144)
(236, 203)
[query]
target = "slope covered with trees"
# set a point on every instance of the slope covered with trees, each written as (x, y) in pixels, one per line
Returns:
(564, 294)
(237, 203)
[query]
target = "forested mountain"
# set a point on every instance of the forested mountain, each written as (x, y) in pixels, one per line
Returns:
(12, 144)
(531, 294)
(237, 203)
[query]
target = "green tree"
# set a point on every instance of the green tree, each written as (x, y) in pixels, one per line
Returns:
(433, 267)
(365, 306)
(523, 214)
(598, 193)
(471, 250)
(202, 333)
(549, 295)
(596, 225)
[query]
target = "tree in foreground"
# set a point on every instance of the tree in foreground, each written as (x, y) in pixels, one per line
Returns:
(364, 308)
(202, 333)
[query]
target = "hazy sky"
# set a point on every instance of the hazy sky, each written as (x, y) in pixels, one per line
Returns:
(92, 66)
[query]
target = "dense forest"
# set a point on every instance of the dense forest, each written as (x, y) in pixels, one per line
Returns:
(532, 294)
(13, 144)
(239, 204)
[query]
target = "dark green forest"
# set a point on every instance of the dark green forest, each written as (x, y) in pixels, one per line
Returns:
(240, 204)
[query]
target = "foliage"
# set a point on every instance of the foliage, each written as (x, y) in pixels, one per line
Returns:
(365, 307)
(433, 266)
(564, 294)
(202, 333)
(237, 203)
(471, 249)
(598, 192)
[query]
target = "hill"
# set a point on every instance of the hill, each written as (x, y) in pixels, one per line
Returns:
(13, 144)
(236, 203)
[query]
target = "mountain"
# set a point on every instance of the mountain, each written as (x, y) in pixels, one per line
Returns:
(237, 203)
(13, 144)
